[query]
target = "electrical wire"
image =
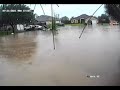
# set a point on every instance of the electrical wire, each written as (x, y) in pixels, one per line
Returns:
(88, 20)
(34, 8)
(42, 9)
(57, 5)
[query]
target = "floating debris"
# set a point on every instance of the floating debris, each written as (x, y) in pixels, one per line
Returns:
(92, 76)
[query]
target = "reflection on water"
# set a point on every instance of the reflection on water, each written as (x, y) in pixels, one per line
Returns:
(29, 58)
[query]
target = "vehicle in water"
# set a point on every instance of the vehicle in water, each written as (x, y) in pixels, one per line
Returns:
(33, 27)
(60, 24)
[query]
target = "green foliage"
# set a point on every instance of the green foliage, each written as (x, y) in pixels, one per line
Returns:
(75, 24)
(15, 17)
(103, 19)
(49, 26)
(54, 26)
(2, 33)
(113, 10)
(65, 20)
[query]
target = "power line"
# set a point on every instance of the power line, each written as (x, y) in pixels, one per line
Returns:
(42, 9)
(88, 20)
(57, 5)
(34, 8)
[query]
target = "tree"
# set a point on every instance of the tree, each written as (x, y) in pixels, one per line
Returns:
(65, 20)
(13, 18)
(103, 19)
(113, 10)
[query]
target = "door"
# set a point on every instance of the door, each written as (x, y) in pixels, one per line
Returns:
(82, 21)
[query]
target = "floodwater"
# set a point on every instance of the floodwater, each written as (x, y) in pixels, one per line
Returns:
(29, 58)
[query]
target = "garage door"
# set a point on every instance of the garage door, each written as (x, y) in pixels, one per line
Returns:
(94, 22)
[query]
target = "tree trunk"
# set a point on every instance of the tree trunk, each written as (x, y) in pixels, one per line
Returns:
(6, 30)
(13, 28)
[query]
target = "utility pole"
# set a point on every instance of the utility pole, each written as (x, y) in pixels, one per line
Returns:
(52, 26)
(52, 15)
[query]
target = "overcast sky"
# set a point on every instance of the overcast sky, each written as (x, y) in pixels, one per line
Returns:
(68, 10)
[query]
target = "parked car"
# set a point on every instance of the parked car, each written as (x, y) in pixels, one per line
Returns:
(27, 27)
(115, 23)
(32, 27)
(35, 27)
(60, 24)
(38, 27)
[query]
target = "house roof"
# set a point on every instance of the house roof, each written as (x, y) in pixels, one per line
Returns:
(85, 16)
(44, 18)
(82, 16)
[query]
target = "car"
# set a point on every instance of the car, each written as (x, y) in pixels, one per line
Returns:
(115, 23)
(27, 28)
(60, 24)
(38, 27)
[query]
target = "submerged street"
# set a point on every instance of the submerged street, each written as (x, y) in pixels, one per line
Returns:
(29, 58)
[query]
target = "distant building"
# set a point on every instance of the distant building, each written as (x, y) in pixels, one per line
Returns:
(84, 19)
(46, 19)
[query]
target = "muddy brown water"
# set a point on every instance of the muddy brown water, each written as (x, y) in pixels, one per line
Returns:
(29, 58)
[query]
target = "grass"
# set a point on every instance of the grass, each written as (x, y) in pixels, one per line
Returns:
(75, 24)
(105, 24)
(2, 33)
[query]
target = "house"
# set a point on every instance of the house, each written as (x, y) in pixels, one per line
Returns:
(46, 19)
(84, 19)
(74, 20)
(20, 27)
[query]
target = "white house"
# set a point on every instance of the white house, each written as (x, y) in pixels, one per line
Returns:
(84, 19)
(73, 20)
(20, 27)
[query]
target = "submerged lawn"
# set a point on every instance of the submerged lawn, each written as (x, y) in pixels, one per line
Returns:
(75, 24)
(2, 33)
